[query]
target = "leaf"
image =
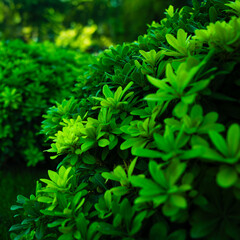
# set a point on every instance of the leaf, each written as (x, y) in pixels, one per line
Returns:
(98, 180)
(169, 210)
(147, 153)
(233, 139)
(158, 231)
(119, 191)
(53, 176)
(219, 142)
(209, 153)
(55, 223)
(15, 207)
(180, 109)
(103, 142)
(108, 229)
(137, 222)
(66, 236)
(178, 201)
(226, 177)
(88, 158)
(45, 199)
(40, 231)
(107, 92)
(178, 235)
(131, 167)
(88, 144)
(150, 187)
(129, 143)
(157, 82)
(18, 227)
(157, 174)
(212, 14)
(61, 198)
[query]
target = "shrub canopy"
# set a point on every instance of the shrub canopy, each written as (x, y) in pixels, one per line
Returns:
(154, 152)
(33, 77)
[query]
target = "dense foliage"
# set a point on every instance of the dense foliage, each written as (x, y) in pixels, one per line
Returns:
(32, 78)
(153, 150)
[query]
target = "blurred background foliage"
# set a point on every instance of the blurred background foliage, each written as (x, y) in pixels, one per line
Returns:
(88, 25)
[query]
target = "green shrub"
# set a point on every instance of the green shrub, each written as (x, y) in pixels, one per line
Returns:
(154, 152)
(32, 78)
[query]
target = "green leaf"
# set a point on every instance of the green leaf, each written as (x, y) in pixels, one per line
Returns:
(87, 158)
(103, 142)
(147, 153)
(212, 14)
(108, 229)
(119, 191)
(169, 210)
(15, 207)
(158, 231)
(157, 174)
(137, 222)
(66, 236)
(61, 198)
(226, 177)
(107, 92)
(40, 231)
(178, 235)
(53, 176)
(88, 144)
(129, 143)
(45, 199)
(219, 142)
(178, 201)
(131, 167)
(180, 109)
(233, 139)
(149, 187)
(55, 223)
(18, 227)
(98, 180)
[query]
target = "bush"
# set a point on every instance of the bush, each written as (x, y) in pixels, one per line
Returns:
(33, 77)
(154, 152)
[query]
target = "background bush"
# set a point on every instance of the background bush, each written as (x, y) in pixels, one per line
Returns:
(88, 25)
(32, 78)
(151, 147)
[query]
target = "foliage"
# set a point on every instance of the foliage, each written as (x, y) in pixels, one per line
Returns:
(155, 150)
(33, 77)
(81, 24)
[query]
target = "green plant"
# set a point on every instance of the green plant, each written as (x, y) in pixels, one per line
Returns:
(33, 77)
(158, 157)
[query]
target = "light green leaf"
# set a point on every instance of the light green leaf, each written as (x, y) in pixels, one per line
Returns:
(45, 199)
(131, 167)
(53, 176)
(178, 201)
(103, 142)
(107, 92)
